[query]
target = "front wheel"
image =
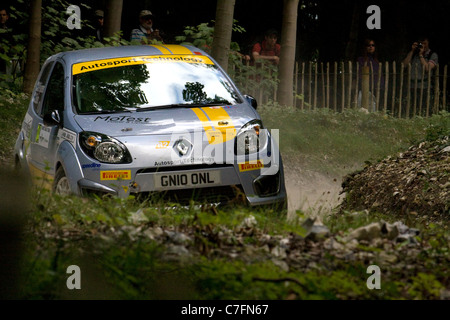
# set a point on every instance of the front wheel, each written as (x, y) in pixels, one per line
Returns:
(61, 184)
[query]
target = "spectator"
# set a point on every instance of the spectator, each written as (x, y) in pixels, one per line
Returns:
(422, 59)
(145, 32)
(99, 17)
(268, 49)
(369, 58)
(5, 38)
(4, 16)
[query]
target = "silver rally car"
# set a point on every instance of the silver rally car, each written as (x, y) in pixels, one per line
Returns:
(143, 120)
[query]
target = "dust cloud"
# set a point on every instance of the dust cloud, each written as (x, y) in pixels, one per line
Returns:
(314, 193)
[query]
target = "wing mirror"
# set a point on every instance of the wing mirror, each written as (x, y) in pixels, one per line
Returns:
(52, 119)
(252, 101)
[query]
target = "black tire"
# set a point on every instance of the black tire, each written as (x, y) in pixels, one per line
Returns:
(61, 184)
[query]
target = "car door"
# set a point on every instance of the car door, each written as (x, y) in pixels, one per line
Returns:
(43, 136)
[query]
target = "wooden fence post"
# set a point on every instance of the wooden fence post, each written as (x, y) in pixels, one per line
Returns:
(436, 90)
(428, 92)
(296, 93)
(408, 94)
(415, 91)
(380, 74)
(328, 85)
(343, 86)
(315, 86)
(400, 102)
(355, 102)
(421, 91)
(365, 83)
(386, 86)
(394, 84)
(444, 90)
(302, 103)
(309, 86)
(323, 85)
(335, 85)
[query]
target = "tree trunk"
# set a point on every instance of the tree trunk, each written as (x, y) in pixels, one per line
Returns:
(32, 65)
(113, 17)
(287, 56)
(351, 47)
(222, 32)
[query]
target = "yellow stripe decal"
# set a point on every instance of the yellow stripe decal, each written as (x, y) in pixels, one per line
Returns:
(202, 117)
(218, 128)
(163, 49)
(127, 61)
(177, 49)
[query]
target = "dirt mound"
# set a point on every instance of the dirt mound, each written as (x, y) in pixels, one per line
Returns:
(412, 182)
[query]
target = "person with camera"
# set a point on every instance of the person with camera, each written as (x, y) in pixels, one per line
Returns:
(422, 60)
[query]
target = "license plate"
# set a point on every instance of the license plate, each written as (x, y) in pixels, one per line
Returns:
(181, 180)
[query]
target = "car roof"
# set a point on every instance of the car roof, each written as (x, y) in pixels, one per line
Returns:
(72, 57)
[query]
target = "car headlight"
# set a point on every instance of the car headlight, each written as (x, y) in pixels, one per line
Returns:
(250, 138)
(104, 148)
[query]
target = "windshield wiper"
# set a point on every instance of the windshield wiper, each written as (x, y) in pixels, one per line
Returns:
(182, 105)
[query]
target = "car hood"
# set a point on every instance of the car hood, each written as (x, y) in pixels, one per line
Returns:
(168, 121)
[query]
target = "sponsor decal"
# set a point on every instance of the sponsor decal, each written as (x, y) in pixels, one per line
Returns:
(115, 175)
(92, 165)
(26, 125)
(164, 163)
(128, 61)
(69, 136)
(122, 119)
(43, 135)
(250, 166)
(184, 161)
(162, 144)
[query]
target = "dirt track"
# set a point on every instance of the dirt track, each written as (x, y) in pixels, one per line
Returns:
(313, 193)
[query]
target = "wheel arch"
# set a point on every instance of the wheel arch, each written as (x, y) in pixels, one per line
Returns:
(67, 158)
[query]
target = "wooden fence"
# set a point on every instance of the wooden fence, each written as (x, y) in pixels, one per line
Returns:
(391, 89)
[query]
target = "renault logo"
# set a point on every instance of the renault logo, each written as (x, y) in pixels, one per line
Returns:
(182, 146)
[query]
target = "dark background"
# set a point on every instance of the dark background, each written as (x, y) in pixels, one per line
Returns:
(323, 26)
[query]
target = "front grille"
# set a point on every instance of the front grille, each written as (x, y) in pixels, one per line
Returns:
(185, 168)
(212, 195)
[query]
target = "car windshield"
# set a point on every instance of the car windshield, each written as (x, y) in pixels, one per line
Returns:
(147, 85)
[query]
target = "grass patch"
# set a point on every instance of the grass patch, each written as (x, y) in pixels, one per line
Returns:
(339, 142)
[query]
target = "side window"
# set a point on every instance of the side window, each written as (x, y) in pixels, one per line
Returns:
(40, 86)
(54, 95)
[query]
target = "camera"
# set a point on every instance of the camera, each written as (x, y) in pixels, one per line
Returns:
(418, 47)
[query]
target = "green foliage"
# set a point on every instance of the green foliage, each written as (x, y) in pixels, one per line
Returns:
(13, 106)
(201, 36)
(439, 126)
(425, 286)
